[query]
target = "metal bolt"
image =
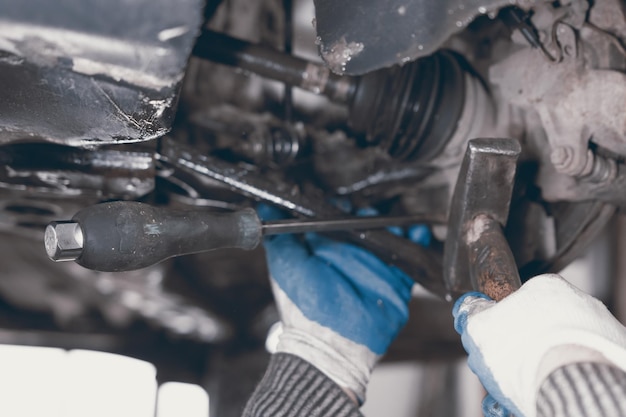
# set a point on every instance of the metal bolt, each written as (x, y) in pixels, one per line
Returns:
(63, 240)
(562, 157)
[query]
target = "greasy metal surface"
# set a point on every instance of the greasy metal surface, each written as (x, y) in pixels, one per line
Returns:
(359, 36)
(56, 170)
(90, 72)
(268, 62)
(41, 182)
(343, 167)
(351, 223)
(257, 138)
(484, 187)
(492, 265)
(421, 264)
(239, 178)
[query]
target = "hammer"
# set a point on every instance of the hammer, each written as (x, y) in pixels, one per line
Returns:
(476, 253)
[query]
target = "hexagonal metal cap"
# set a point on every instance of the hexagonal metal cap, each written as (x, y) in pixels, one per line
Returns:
(63, 240)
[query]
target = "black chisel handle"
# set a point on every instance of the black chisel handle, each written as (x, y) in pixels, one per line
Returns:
(126, 235)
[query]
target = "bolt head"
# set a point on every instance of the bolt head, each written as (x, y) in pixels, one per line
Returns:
(562, 157)
(63, 241)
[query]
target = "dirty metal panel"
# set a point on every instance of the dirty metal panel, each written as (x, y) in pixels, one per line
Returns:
(83, 72)
(359, 36)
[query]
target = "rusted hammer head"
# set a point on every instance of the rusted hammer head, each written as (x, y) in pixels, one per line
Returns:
(476, 255)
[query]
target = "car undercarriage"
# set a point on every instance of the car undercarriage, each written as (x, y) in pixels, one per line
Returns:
(323, 109)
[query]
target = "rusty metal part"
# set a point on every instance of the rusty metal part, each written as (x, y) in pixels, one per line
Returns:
(421, 264)
(493, 267)
(484, 188)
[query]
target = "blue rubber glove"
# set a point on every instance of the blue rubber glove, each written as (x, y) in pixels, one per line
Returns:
(340, 305)
(492, 408)
(513, 345)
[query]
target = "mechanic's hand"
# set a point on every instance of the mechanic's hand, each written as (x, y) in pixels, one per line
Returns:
(515, 344)
(340, 306)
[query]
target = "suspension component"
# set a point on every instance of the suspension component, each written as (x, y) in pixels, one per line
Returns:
(273, 64)
(411, 111)
(260, 139)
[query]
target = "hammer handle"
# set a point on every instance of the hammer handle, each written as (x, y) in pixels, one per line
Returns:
(493, 268)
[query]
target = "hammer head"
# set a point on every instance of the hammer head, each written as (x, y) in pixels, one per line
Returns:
(484, 189)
